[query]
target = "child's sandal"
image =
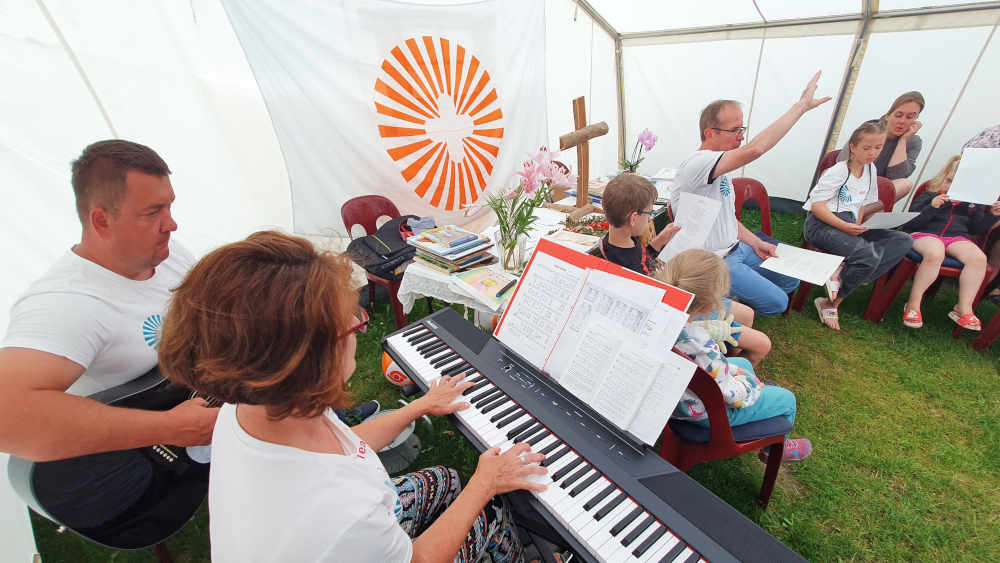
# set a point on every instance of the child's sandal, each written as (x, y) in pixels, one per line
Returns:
(826, 314)
(912, 318)
(968, 322)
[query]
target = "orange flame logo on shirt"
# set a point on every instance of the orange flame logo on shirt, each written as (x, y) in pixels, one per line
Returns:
(440, 119)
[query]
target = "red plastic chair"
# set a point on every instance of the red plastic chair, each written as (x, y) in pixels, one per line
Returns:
(886, 195)
(889, 285)
(685, 444)
(990, 333)
(748, 189)
(365, 211)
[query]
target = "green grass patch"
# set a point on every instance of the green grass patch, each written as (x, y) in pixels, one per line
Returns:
(904, 424)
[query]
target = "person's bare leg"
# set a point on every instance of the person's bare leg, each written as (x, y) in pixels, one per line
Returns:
(902, 187)
(973, 272)
(932, 250)
(755, 344)
(742, 313)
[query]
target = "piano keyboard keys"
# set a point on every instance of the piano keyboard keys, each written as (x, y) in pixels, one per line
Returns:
(601, 516)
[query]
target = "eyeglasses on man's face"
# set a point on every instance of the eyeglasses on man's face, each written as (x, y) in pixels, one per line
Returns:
(650, 212)
(734, 130)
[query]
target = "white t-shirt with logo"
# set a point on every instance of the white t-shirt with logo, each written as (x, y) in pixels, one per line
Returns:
(842, 191)
(693, 177)
(270, 502)
(105, 322)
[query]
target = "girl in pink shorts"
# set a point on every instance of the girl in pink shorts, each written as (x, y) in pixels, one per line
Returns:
(941, 230)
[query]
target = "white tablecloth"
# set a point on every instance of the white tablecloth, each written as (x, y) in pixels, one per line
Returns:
(420, 281)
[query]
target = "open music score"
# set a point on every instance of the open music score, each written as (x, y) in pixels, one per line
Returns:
(604, 333)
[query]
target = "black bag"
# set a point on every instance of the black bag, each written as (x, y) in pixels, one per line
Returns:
(384, 251)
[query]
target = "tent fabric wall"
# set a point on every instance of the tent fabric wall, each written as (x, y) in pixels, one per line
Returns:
(174, 76)
(580, 61)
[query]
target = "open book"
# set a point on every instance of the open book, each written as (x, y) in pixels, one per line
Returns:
(602, 332)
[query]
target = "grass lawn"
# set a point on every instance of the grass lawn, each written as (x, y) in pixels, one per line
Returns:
(905, 426)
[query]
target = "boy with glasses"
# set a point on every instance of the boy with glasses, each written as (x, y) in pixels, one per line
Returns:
(628, 204)
(705, 173)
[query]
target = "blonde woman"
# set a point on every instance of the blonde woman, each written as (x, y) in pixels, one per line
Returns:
(943, 229)
(898, 158)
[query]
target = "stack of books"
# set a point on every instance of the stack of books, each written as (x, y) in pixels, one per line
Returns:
(449, 248)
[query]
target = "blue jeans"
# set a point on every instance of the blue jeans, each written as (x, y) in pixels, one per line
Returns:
(766, 292)
(773, 401)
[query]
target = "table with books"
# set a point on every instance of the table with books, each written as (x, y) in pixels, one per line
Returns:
(449, 266)
(464, 272)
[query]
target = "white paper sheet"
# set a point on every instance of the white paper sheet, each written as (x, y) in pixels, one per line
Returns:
(695, 217)
(665, 324)
(976, 178)
(545, 297)
(611, 371)
(623, 304)
(883, 220)
(662, 397)
(807, 265)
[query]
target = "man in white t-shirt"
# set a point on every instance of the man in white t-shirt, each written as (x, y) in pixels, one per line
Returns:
(705, 173)
(92, 321)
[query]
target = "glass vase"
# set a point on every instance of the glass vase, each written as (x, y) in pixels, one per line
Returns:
(512, 257)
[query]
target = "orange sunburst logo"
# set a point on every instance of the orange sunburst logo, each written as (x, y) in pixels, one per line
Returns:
(440, 120)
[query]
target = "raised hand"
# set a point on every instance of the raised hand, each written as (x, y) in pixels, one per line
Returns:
(808, 99)
(996, 208)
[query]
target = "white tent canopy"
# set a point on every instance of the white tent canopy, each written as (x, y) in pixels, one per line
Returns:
(183, 78)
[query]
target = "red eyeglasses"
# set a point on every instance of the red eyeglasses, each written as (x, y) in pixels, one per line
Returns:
(363, 321)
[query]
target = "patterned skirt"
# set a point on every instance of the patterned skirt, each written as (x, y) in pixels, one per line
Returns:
(425, 494)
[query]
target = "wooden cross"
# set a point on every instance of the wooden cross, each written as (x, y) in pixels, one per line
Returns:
(579, 139)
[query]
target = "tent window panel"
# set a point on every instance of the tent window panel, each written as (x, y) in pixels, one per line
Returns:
(667, 86)
(652, 15)
(975, 111)
(570, 75)
(933, 62)
(787, 169)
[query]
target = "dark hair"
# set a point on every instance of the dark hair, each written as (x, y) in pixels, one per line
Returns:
(99, 173)
(624, 195)
(263, 322)
(710, 115)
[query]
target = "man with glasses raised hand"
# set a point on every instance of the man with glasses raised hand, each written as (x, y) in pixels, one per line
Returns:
(705, 173)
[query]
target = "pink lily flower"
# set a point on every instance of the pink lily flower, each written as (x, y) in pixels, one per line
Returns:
(648, 139)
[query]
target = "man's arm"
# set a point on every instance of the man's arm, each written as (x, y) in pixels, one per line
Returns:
(766, 139)
(41, 422)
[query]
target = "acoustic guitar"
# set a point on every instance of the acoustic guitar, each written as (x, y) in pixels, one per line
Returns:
(127, 499)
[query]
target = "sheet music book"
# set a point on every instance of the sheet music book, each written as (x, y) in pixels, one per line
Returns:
(604, 333)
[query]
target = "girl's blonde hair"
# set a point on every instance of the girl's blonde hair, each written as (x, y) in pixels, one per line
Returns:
(937, 182)
(702, 273)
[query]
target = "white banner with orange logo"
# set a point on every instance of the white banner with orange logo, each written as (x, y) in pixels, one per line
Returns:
(430, 106)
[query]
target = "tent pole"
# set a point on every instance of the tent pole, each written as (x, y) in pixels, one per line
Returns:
(620, 91)
(846, 86)
(79, 67)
